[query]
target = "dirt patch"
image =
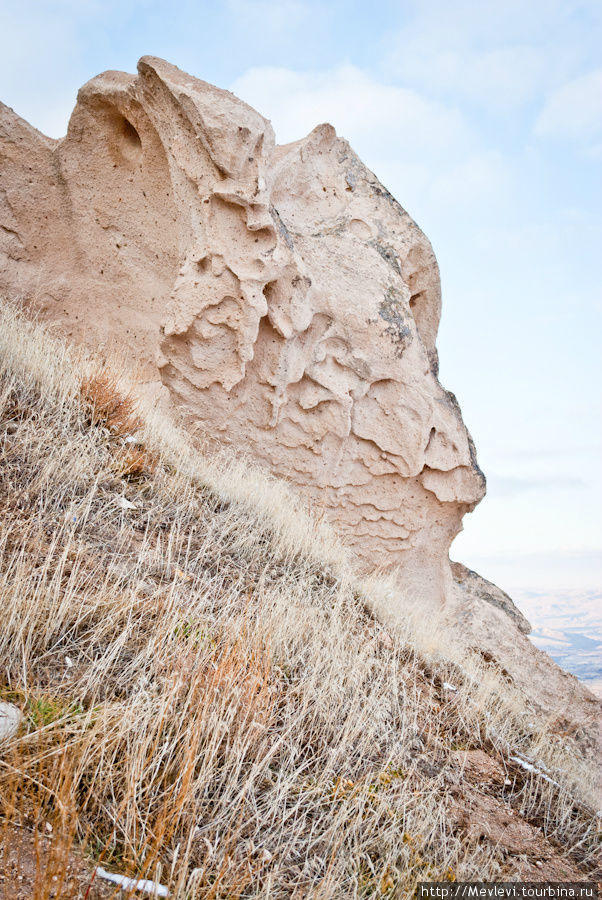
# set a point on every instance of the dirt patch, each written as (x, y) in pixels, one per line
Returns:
(38, 867)
(483, 815)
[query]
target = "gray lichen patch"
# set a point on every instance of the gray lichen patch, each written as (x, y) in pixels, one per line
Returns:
(389, 254)
(391, 309)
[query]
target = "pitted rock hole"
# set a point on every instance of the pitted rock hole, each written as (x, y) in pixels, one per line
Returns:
(360, 229)
(129, 144)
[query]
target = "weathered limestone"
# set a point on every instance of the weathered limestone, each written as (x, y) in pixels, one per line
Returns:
(470, 585)
(279, 296)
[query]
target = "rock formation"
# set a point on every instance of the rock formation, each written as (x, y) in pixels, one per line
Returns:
(281, 301)
(279, 295)
(480, 614)
(470, 587)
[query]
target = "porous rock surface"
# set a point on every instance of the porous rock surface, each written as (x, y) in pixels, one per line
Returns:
(282, 298)
(283, 302)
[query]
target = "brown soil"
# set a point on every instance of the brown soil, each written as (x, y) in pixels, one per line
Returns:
(36, 867)
(485, 815)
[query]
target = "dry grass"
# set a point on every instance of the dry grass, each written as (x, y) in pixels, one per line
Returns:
(108, 406)
(207, 700)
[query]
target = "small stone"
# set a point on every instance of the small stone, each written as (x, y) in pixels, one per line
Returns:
(385, 640)
(10, 719)
(124, 503)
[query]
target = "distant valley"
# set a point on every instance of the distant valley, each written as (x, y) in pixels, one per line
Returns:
(568, 625)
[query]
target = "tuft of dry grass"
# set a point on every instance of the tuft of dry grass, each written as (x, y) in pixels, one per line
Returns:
(107, 405)
(207, 700)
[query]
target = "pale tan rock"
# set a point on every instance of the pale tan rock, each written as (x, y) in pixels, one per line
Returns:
(480, 616)
(283, 302)
(280, 295)
(475, 586)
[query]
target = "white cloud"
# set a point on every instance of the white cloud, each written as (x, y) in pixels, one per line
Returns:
(574, 112)
(499, 21)
(502, 77)
(359, 106)
(512, 485)
(499, 55)
(482, 179)
(268, 19)
(594, 152)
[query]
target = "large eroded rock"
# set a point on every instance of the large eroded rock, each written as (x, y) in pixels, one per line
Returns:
(285, 303)
(280, 295)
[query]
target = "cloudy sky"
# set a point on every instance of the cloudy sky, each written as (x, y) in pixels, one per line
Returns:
(485, 121)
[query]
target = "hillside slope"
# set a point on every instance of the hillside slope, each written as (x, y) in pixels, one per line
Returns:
(207, 700)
